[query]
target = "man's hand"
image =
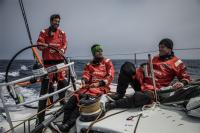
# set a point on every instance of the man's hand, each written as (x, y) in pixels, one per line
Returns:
(62, 50)
(53, 45)
(52, 50)
(178, 85)
(83, 83)
(93, 85)
(44, 44)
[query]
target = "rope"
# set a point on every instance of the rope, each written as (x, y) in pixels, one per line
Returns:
(137, 123)
(89, 108)
(90, 126)
(153, 77)
(150, 106)
(25, 20)
(35, 53)
(100, 119)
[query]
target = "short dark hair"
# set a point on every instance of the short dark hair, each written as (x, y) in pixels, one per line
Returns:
(167, 42)
(54, 16)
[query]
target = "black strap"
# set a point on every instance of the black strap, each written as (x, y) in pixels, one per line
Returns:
(52, 62)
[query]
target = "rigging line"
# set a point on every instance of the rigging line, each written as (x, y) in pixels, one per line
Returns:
(142, 52)
(35, 53)
(25, 21)
(187, 49)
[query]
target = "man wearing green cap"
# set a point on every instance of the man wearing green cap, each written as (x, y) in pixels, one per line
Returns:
(96, 78)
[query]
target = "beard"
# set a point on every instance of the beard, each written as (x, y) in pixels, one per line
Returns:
(97, 60)
(53, 28)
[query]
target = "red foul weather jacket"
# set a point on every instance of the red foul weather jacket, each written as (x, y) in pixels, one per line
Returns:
(49, 56)
(58, 38)
(164, 72)
(95, 73)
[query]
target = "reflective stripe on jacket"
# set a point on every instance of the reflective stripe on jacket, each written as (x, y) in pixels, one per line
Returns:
(95, 73)
(164, 72)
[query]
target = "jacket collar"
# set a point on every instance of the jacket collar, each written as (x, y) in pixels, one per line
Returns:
(167, 57)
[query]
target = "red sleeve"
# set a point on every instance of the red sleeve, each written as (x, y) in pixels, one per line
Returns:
(64, 42)
(86, 73)
(41, 39)
(110, 71)
(181, 71)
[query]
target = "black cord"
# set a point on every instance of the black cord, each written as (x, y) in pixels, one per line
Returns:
(137, 123)
(13, 58)
(25, 20)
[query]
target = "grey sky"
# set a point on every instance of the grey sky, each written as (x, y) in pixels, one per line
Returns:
(121, 26)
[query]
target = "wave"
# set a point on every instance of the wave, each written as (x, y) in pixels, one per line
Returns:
(11, 74)
(23, 67)
(2, 77)
(28, 94)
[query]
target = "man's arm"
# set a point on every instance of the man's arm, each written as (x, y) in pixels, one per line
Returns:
(110, 72)
(64, 43)
(109, 76)
(41, 40)
(182, 75)
(86, 76)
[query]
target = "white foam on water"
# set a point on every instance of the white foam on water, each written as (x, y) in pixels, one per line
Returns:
(28, 94)
(23, 67)
(2, 77)
(12, 74)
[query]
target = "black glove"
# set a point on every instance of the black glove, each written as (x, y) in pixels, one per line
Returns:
(102, 83)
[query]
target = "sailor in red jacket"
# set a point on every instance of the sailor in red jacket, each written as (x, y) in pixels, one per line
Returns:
(166, 67)
(96, 78)
(98, 74)
(55, 37)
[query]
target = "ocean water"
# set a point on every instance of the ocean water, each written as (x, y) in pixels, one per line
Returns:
(23, 68)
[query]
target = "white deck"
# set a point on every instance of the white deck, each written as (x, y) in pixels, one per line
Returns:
(157, 120)
(152, 121)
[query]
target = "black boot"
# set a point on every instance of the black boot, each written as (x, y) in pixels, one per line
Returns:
(67, 123)
(59, 127)
(109, 106)
(69, 108)
(72, 119)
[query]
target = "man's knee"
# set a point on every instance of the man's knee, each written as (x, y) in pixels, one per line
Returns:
(71, 103)
(141, 99)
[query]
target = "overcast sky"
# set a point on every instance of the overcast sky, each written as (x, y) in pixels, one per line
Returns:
(121, 26)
